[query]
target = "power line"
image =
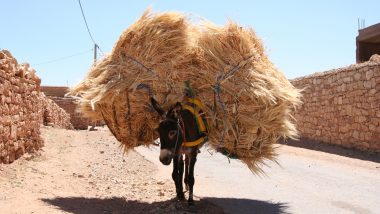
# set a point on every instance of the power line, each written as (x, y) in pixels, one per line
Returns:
(63, 58)
(88, 29)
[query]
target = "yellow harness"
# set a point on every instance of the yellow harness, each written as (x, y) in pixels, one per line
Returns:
(195, 106)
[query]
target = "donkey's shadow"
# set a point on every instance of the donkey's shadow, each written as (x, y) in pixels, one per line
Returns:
(115, 205)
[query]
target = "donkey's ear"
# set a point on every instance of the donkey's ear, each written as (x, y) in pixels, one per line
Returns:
(178, 107)
(155, 105)
(176, 110)
(178, 104)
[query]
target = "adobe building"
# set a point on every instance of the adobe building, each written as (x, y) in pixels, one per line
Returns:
(367, 43)
(57, 93)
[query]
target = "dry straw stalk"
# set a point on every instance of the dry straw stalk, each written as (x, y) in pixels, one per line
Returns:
(248, 101)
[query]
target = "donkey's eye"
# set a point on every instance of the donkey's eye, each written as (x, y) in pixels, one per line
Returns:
(172, 134)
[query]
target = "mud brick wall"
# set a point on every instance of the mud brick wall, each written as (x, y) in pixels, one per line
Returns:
(77, 118)
(57, 93)
(21, 109)
(53, 114)
(342, 106)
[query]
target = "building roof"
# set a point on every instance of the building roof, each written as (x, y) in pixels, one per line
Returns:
(369, 34)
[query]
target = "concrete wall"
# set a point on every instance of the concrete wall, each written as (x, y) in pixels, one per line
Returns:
(367, 43)
(22, 109)
(342, 106)
(366, 50)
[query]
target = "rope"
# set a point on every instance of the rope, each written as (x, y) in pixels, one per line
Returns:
(147, 87)
(143, 85)
(217, 90)
(179, 128)
(234, 70)
(140, 64)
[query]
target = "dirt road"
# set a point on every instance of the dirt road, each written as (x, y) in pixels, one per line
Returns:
(85, 172)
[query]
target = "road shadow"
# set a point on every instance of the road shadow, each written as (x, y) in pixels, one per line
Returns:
(333, 149)
(115, 205)
(249, 206)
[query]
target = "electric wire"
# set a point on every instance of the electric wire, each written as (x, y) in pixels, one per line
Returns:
(88, 29)
(64, 57)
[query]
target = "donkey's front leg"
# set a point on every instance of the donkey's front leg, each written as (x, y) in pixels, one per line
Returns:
(177, 176)
(187, 162)
(190, 179)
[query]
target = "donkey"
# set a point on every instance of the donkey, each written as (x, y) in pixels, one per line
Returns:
(182, 132)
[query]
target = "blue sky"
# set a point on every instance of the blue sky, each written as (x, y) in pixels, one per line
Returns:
(301, 37)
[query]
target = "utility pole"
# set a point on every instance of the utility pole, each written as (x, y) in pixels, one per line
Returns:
(92, 128)
(95, 52)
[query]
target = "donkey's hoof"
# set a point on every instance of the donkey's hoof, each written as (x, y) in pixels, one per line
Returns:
(180, 197)
(190, 202)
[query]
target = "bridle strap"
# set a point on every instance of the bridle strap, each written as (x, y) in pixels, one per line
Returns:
(179, 128)
(176, 142)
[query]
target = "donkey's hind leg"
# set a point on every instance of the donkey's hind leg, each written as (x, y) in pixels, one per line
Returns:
(177, 176)
(191, 180)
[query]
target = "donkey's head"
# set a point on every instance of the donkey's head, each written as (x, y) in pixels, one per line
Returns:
(169, 131)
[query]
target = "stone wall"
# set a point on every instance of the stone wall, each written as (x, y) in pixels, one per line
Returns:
(22, 109)
(69, 104)
(342, 106)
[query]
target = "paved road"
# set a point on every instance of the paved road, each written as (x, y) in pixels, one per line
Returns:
(306, 182)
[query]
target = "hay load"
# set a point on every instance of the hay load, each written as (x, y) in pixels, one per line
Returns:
(117, 89)
(247, 100)
(252, 100)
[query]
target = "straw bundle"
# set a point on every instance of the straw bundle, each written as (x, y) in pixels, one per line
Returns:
(248, 101)
(117, 89)
(251, 99)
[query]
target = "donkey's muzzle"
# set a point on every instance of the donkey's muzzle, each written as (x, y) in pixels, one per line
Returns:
(166, 156)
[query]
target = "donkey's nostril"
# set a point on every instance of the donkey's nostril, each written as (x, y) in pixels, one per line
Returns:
(166, 160)
(165, 156)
